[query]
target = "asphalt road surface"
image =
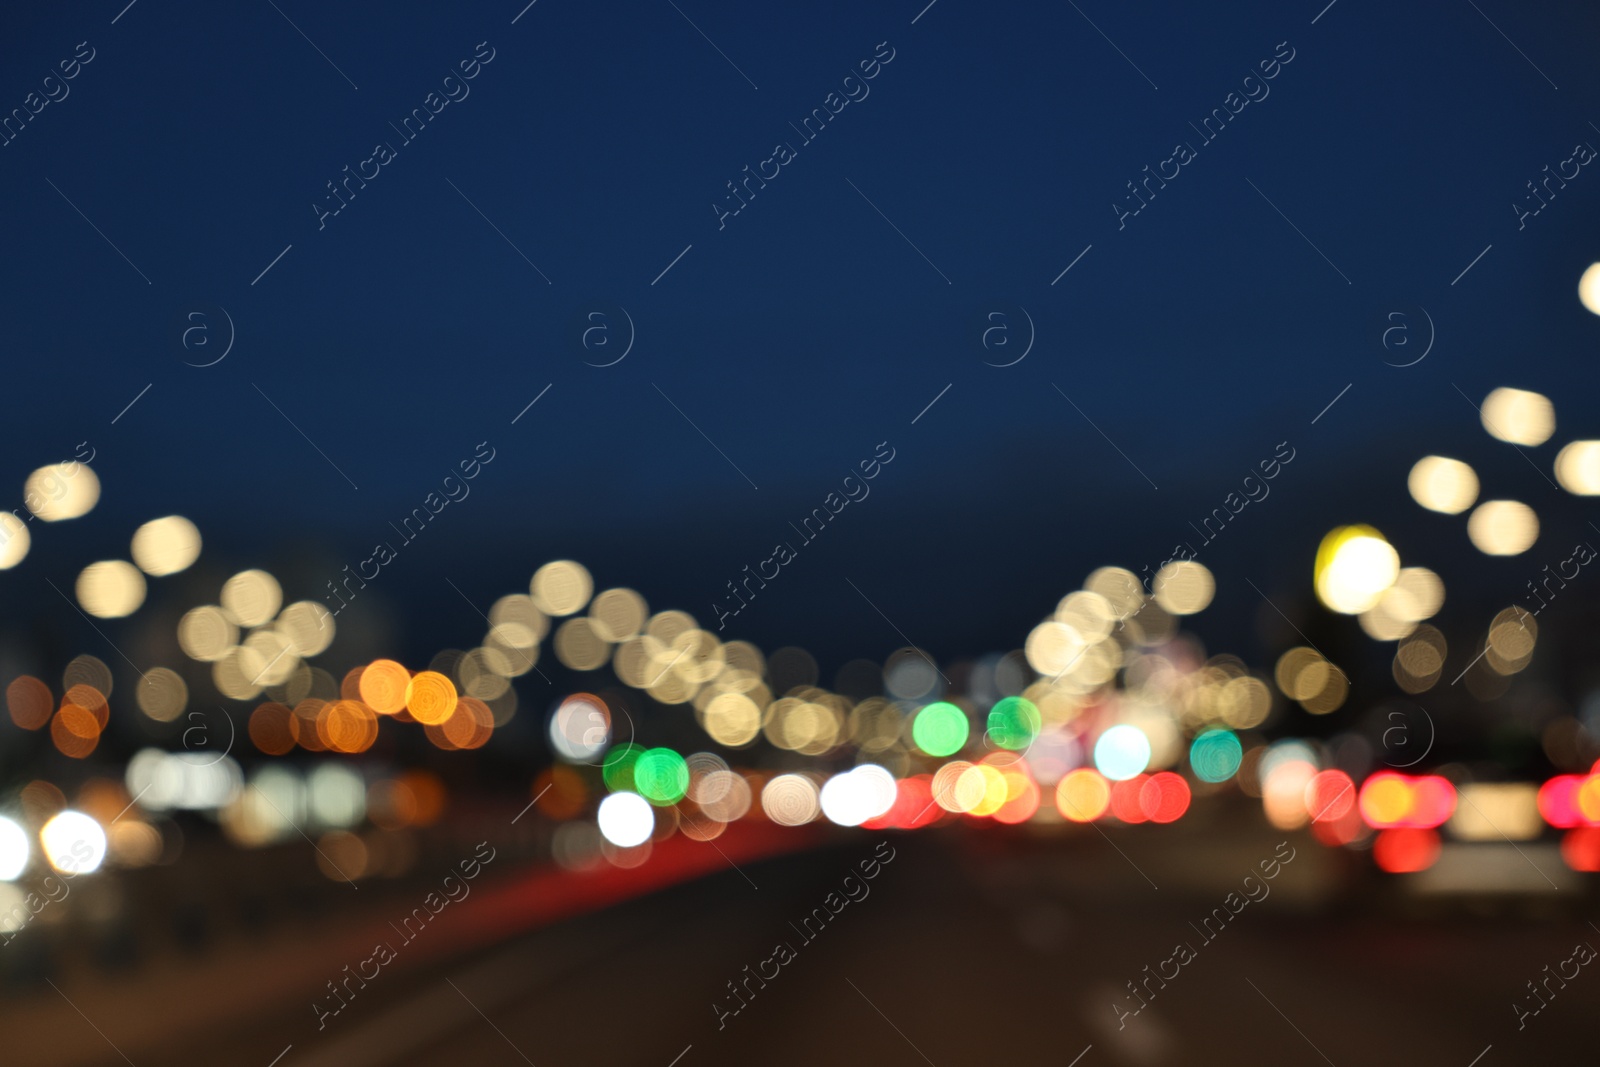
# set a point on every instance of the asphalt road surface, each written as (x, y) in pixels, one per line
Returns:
(972, 947)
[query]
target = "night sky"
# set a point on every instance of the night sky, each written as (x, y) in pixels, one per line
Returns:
(991, 148)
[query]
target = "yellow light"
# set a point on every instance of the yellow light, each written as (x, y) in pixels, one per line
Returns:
(1386, 801)
(110, 589)
(1054, 647)
(1354, 567)
(1589, 288)
(166, 546)
(14, 540)
(1416, 595)
(1423, 594)
(982, 790)
(732, 719)
(61, 491)
(1518, 416)
(1577, 469)
(206, 633)
(251, 598)
(1503, 527)
(1445, 485)
(307, 626)
(430, 697)
(1184, 587)
(561, 588)
(618, 614)
(1497, 812)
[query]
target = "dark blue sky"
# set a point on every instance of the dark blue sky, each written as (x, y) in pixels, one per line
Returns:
(809, 329)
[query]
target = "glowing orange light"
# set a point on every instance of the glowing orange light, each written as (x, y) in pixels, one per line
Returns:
(427, 793)
(304, 724)
(430, 697)
(560, 793)
(347, 726)
(271, 728)
(469, 725)
(75, 731)
(29, 701)
(1385, 800)
(382, 686)
(87, 696)
(1083, 795)
(1588, 799)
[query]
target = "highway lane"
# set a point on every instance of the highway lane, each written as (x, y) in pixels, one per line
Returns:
(969, 948)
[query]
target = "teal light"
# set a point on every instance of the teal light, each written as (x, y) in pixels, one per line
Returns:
(1215, 755)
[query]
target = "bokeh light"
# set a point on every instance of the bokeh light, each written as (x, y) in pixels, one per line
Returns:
(1405, 850)
(852, 798)
(29, 702)
(616, 770)
(626, 819)
(940, 729)
(14, 851)
(166, 546)
(580, 727)
(1388, 800)
(1354, 566)
(111, 589)
(1444, 485)
(791, 800)
(1164, 797)
(1589, 288)
(1577, 468)
(1014, 722)
(206, 633)
(1083, 795)
(561, 587)
(661, 776)
(1122, 752)
(162, 694)
(1215, 755)
(251, 598)
(1519, 417)
(73, 843)
(430, 697)
(14, 540)
(382, 686)
(1184, 587)
(1503, 527)
(61, 491)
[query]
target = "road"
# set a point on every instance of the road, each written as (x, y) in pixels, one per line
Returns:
(979, 948)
